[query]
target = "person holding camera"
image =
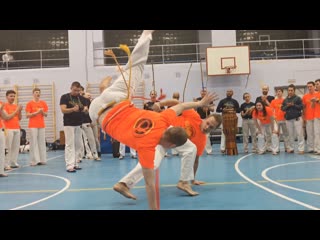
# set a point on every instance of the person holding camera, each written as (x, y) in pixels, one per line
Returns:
(72, 106)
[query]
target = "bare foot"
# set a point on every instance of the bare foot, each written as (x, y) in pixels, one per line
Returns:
(124, 190)
(196, 182)
(184, 186)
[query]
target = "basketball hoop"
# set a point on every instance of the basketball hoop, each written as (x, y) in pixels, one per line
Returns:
(229, 68)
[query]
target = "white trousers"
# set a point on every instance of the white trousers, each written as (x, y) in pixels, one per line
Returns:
(73, 145)
(262, 143)
(118, 90)
(295, 129)
(122, 150)
(12, 144)
(87, 129)
(317, 135)
(223, 140)
(283, 131)
(310, 134)
(187, 152)
(2, 151)
(38, 150)
(249, 125)
(96, 131)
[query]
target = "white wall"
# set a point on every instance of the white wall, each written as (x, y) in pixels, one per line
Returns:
(169, 77)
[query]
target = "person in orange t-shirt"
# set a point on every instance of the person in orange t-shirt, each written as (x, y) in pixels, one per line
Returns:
(317, 119)
(190, 152)
(36, 110)
(309, 104)
(140, 129)
(276, 105)
(265, 126)
(12, 124)
(2, 141)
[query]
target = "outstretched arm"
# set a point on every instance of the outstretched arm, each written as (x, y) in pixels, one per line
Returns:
(205, 101)
(165, 103)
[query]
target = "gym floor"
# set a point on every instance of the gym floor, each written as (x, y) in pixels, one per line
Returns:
(241, 182)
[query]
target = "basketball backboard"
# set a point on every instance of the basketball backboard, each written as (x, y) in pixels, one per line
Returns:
(228, 60)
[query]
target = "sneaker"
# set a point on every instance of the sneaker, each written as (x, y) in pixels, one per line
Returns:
(41, 163)
(133, 156)
(7, 168)
(3, 175)
(167, 155)
(98, 159)
(121, 157)
(77, 167)
(210, 153)
(15, 166)
(301, 152)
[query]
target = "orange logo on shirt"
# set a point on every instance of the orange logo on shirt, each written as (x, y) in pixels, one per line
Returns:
(142, 127)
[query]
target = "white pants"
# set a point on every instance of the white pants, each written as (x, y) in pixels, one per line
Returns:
(282, 127)
(223, 140)
(118, 90)
(73, 142)
(13, 143)
(84, 146)
(96, 130)
(295, 129)
(310, 134)
(38, 150)
(87, 129)
(208, 147)
(317, 135)
(188, 153)
(122, 150)
(249, 125)
(2, 151)
(262, 143)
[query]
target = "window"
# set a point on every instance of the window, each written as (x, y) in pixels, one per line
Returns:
(36, 48)
(157, 54)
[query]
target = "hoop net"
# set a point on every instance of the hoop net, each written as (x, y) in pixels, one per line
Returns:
(229, 69)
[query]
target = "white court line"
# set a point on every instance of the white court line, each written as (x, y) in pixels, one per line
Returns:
(13, 169)
(68, 183)
(264, 175)
(268, 189)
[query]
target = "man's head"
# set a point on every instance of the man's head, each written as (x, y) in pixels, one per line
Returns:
(229, 93)
(279, 92)
(317, 83)
(75, 89)
(311, 87)
(203, 92)
(10, 95)
(173, 137)
(153, 95)
(36, 93)
(265, 90)
(291, 90)
(210, 123)
(176, 95)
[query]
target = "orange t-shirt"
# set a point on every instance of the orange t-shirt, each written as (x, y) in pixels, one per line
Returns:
(308, 111)
(13, 123)
(317, 106)
(263, 119)
(276, 105)
(38, 120)
(138, 129)
(190, 120)
(1, 119)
